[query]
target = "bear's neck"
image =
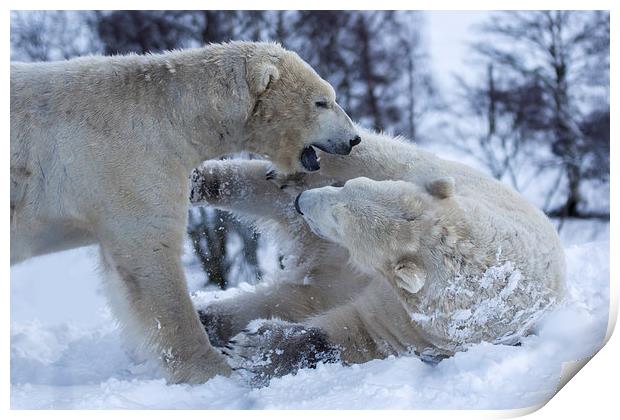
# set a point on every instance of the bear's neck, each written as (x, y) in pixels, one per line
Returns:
(207, 131)
(378, 157)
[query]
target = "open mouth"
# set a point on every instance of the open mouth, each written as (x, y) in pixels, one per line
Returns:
(309, 159)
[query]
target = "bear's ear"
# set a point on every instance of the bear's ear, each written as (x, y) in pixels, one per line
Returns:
(441, 188)
(262, 76)
(409, 276)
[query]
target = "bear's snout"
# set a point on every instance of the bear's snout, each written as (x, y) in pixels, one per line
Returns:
(355, 141)
(338, 147)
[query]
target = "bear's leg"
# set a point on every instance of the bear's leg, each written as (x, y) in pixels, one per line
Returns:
(347, 328)
(268, 348)
(242, 186)
(273, 348)
(287, 301)
(372, 326)
(155, 306)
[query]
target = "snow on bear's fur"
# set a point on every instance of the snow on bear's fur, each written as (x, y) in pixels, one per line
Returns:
(427, 256)
(101, 151)
(463, 275)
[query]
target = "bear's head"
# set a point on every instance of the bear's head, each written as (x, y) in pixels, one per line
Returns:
(390, 228)
(294, 111)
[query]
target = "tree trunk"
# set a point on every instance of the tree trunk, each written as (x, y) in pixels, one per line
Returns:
(574, 198)
(367, 73)
(412, 102)
(212, 255)
(210, 32)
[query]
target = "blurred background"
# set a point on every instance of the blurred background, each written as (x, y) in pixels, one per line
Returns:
(523, 96)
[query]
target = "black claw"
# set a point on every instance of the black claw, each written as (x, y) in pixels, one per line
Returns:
(229, 347)
(232, 341)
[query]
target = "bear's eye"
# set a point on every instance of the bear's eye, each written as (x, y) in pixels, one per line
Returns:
(321, 104)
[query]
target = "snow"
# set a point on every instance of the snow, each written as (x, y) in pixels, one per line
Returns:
(66, 351)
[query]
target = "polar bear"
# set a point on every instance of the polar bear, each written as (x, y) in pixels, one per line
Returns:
(101, 152)
(440, 256)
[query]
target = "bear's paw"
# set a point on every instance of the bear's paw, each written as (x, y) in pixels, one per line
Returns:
(273, 348)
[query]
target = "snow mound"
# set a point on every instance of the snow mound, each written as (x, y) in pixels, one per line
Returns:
(66, 353)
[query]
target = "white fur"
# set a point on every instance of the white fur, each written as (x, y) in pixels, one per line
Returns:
(101, 151)
(440, 255)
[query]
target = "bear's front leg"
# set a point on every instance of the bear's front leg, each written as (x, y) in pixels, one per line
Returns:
(153, 305)
(240, 186)
(273, 348)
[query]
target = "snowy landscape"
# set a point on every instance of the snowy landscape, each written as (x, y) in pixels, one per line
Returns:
(67, 351)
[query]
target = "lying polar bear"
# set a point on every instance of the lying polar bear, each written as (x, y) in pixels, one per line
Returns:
(438, 259)
(101, 151)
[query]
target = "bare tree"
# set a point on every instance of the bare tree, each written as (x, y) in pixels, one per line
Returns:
(210, 232)
(559, 51)
(500, 120)
(421, 95)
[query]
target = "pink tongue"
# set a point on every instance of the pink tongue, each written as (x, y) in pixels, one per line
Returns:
(309, 160)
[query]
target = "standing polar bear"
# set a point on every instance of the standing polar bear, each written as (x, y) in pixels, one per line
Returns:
(440, 257)
(101, 151)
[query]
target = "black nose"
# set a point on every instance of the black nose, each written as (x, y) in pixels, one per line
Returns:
(297, 203)
(355, 141)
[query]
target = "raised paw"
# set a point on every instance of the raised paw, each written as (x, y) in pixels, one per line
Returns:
(271, 348)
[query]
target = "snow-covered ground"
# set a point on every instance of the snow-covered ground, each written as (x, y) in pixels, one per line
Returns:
(66, 351)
